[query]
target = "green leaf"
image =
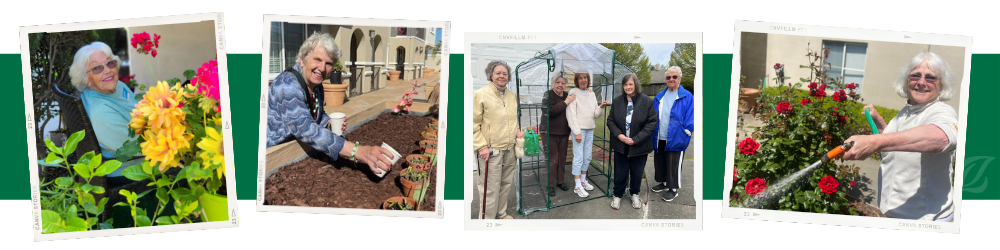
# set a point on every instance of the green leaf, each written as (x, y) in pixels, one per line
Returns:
(127, 150)
(91, 222)
(136, 173)
(51, 221)
(97, 189)
(129, 195)
(214, 184)
(143, 221)
(164, 220)
(94, 163)
(146, 168)
(144, 194)
(162, 195)
(52, 158)
(71, 142)
(52, 147)
(64, 181)
(82, 170)
(189, 74)
(106, 225)
(74, 224)
(87, 187)
(163, 182)
(121, 204)
(108, 167)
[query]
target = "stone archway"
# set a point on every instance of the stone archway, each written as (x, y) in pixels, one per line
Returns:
(356, 37)
(401, 61)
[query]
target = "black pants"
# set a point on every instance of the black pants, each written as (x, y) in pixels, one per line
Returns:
(628, 169)
(556, 145)
(668, 166)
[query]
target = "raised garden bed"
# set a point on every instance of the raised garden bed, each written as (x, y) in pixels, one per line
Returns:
(320, 182)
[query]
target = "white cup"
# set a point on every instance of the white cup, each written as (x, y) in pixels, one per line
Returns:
(337, 122)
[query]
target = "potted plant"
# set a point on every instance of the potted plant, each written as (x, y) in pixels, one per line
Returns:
(394, 75)
(428, 147)
(398, 203)
(334, 90)
(428, 136)
(413, 179)
(188, 120)
(418, 160)
(70, 203)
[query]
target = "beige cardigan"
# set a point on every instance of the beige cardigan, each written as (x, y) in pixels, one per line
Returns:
(581, 113)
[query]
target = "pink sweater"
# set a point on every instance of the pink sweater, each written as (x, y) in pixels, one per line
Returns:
(581, 113)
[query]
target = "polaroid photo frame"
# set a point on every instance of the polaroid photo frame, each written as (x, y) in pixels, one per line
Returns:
(170, 27)
(507, 46)
(383, 33)
(795, 34)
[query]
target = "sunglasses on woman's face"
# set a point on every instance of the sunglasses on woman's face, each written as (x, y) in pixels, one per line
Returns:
(672, 77)
(927, 78)
(100, 68)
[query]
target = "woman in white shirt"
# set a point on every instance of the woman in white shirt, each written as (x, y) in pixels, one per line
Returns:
(580, 115)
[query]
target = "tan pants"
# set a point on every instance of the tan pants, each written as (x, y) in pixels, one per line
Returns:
(501, 176)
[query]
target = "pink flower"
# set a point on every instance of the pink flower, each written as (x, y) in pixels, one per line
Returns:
(207, 80)
(154, 53)
(402, 102)
(395, 109)
(147, 46)
(406, 93)
(156, 40)
(411, 100)
(414, 92)
(407, 108)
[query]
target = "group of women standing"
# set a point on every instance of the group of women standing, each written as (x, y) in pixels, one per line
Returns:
(638, 125)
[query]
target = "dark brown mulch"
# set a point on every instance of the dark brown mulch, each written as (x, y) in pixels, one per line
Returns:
(864, 209)
(343, 184)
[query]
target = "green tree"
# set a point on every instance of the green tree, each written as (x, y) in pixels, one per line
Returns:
(684, 56)
(634, 57)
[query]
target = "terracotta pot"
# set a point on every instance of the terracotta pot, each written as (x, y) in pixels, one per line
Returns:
(428, 136)
(431, 131)
(427, 161)
(432, 126)
(429, 147)
(408, 200)
(334, 93)
(748, 98)
(410, 188)
(394, 75)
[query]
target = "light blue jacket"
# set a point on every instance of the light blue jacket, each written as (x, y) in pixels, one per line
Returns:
(681, 118)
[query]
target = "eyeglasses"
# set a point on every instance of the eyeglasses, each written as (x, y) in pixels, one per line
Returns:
(100, 68)
(927, 78)
(673, 77)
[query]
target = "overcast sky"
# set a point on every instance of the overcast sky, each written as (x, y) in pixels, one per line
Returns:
(658, 52)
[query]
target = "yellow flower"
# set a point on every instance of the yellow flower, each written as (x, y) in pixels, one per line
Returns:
(163, 145)
(158, 108)
(211, 151)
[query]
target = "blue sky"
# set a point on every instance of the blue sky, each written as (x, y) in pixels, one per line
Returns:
(658, 52)
(437, 37)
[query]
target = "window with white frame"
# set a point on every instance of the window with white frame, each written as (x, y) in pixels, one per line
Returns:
(847, 61)
(286, 39)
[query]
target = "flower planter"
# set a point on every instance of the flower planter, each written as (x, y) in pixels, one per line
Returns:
(410, 188)
(334, 94)
(407, 200)
(216, 207)
(394, 75)
(748, 99)
(336, 77)
(411, 158)
(428, 136)
(429, 147)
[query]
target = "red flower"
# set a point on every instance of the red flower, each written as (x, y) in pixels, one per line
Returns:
(852, 86)
(735, 174)
(828, 184)
(784, 108)
(843, 119)
(805, 101)
(748, 146)
(852, 183)
(755, 186)
(154, 53)
(156, 40)
(840, 96)
(822, 87)
(777, 65)
(126, 78)
(812, 85)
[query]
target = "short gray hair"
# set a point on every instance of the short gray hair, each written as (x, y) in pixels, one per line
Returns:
(555, 78)
(493, 65)
(936, 64)
(319, 39)
(78, 70)
(680, 74)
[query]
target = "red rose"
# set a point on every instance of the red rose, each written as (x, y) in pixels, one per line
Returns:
(852, 183)
(822, 86)
(748, 146)
(777, 65)
(755, 186)
(805, 101)
(852, 86)
(828, 184)
(812, 85)
(784, 108)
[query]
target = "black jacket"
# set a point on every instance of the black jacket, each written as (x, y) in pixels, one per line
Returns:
(643, 124)
(557, 114)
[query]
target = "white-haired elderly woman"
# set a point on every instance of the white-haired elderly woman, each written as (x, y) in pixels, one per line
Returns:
(108, 101)
(494, 137)
(917, 145)
(295, 108)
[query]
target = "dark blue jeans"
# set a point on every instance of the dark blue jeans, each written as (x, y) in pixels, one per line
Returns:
(628, 169)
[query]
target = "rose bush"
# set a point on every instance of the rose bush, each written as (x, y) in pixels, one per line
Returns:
(793, 138)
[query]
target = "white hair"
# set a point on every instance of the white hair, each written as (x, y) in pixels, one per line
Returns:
(936, 64)
(78, 70)
(319, 39)
(674, 68)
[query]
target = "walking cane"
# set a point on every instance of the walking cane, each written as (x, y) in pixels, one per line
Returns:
(485, 185)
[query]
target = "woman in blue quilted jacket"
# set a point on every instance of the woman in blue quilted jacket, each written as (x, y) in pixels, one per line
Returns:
(675, 106)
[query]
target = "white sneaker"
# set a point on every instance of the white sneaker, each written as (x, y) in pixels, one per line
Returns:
(586, 185)
(579, 191)
(636, 202)
(615, 201)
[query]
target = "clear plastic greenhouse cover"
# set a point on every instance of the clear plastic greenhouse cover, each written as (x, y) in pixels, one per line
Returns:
(533, 78)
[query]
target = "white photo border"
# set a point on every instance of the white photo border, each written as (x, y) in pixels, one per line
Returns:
(859, 34)
(442, 117)
(220, 32)
(583, 224)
